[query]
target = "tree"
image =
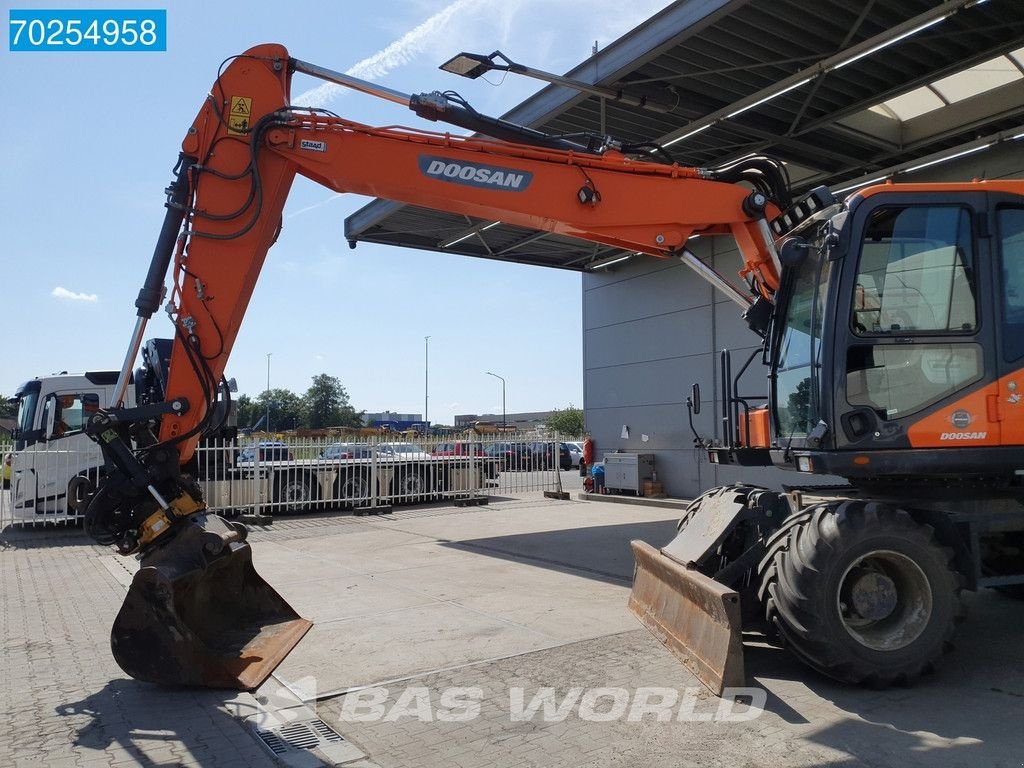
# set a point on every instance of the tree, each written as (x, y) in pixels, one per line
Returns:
(247, 411)
(7, 408)
(567, 421)
(327, 405)
(286, 409)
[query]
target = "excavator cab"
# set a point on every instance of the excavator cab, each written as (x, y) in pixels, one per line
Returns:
(891, 348)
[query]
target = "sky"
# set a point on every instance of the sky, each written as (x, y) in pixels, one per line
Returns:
(93, 143)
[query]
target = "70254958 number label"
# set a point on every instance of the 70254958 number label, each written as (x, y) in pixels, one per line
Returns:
(87, 30)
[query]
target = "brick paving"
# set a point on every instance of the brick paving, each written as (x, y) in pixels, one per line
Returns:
(63, 700)
(807, 721)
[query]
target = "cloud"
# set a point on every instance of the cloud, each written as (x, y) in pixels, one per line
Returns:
(63, 293)
(502, 23)
(325, 201)
(400, 52)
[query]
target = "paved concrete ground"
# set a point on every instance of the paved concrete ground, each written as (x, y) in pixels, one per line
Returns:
(521, 595)
(63, 700)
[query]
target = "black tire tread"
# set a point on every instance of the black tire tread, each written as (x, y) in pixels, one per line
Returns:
(790, 574)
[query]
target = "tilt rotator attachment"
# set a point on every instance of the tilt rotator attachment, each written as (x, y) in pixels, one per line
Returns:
(197, 612)
(688, 593)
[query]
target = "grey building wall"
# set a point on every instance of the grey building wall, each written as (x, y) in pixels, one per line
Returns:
(651, 328)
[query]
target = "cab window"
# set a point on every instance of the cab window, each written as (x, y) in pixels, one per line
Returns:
(71, 412)
(916, 273)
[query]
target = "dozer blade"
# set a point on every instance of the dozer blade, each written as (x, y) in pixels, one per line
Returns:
(697, 618)
(198, 614)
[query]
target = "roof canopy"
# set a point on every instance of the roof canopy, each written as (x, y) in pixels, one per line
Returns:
(843, 91)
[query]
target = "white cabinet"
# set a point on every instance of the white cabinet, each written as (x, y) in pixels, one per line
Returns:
(627, 471)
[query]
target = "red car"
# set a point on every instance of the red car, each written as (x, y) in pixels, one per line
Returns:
(467, 449)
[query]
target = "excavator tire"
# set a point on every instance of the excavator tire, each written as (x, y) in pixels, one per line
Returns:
(861, 592)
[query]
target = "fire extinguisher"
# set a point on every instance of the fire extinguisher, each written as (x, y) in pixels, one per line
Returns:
(588, 455)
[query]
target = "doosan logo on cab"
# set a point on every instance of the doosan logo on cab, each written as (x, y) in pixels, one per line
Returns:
(963, 435)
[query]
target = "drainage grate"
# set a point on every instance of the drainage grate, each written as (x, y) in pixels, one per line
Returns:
(308, 734)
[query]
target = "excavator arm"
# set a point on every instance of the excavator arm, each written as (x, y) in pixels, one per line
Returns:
(180, 622)
(247, 144)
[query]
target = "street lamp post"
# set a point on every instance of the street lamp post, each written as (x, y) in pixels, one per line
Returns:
(502, 395)
(426, 381)
(268, 392)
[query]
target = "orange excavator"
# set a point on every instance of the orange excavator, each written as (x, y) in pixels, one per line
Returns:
(884, 368)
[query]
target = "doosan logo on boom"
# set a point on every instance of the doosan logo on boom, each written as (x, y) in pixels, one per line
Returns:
(475, 174)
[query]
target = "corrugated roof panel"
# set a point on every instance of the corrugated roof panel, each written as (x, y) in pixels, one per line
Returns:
(727, 57)
(978, 79)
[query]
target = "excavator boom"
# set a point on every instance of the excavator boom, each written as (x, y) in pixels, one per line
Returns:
(180, 623)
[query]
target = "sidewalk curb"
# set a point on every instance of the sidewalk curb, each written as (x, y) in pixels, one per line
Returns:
(641, 501)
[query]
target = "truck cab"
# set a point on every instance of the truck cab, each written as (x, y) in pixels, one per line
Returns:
(55, 465)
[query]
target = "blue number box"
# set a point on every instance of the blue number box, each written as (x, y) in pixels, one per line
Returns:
(87, 30)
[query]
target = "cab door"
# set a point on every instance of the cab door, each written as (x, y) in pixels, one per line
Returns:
(915, 358)
(65, 451)
(1008, 241)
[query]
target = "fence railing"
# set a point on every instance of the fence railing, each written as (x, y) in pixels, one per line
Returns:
(53, 481)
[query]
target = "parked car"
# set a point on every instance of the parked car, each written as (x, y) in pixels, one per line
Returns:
(543, 456)
(565, 456)
(575, 454)
(459, 449)
(398, 451)
(530, 456)
(510, 456)
(337, 451)
(268, 451)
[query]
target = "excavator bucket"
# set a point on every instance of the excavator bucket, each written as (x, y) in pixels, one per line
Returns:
(198, 614)
(696, 618)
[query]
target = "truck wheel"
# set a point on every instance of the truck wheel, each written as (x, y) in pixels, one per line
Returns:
(352, 489)
(80, 491)
(409, 486)
(861, 592)
(294, 492)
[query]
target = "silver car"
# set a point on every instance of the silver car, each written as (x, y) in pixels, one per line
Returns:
(575, 453)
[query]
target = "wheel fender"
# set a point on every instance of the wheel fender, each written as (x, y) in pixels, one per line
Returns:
(709, 519)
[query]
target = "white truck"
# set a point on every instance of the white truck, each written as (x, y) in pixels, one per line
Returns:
(56, 467)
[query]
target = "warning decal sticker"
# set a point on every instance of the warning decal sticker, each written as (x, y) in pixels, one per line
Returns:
(239, 115)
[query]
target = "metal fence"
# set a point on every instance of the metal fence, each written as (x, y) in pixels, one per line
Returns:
(51, 482)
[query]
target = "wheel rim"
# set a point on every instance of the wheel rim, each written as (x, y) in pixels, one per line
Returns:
(411, 485)
(296, 492)
(884, 600)
(354, 488)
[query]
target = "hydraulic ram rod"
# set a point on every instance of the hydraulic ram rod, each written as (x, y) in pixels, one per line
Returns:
(350, 82)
